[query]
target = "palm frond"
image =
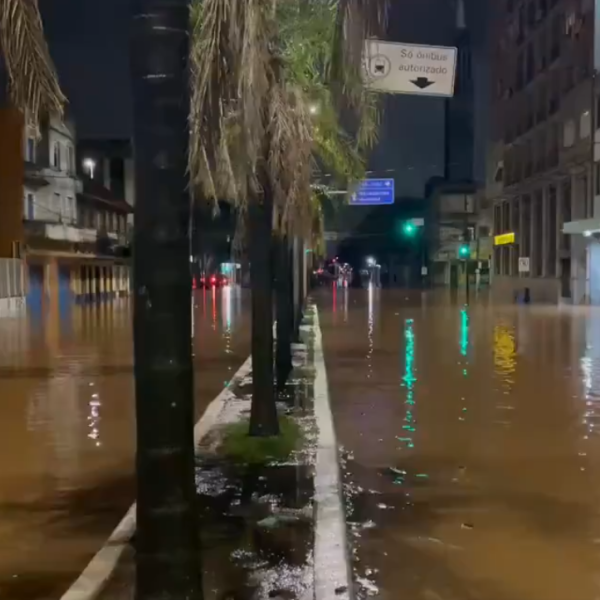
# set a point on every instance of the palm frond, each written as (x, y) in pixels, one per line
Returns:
(32, 80)
(231, 68)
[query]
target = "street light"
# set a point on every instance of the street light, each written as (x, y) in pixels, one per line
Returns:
(371, 262)
(90, 165)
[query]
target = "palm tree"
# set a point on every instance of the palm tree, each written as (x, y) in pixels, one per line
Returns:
(260, 69)
(33, 85)
(167, 535)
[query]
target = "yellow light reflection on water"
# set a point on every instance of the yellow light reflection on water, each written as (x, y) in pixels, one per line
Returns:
(504, 350)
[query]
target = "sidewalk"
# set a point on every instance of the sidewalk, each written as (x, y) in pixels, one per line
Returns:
(261, 527)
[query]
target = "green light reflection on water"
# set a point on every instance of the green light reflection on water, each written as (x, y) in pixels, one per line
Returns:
(408, 381)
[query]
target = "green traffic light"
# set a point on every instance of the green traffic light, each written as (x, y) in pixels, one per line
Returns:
(408, 228)
(463, 251)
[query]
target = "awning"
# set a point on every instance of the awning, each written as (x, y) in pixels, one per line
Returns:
(583, 227)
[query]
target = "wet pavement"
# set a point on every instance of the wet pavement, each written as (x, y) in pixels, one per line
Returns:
(471, 444)
(67, 430)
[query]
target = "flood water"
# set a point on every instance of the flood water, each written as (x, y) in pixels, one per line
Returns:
(67, 427)
(471, 443)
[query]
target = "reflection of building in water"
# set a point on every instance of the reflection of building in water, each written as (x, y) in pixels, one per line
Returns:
(54, 409)
(14, 333)
(590, 363)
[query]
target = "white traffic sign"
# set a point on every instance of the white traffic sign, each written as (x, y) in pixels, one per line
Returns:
(523, 265)
(410, 69)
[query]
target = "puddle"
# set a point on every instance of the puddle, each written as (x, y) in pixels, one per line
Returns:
(257, 531)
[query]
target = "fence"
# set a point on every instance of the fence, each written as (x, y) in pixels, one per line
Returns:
(12, 280)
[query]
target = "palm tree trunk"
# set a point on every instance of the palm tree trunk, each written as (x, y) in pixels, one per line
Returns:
(167, 541)
(263, 412)
(297, 293)
(285, 315)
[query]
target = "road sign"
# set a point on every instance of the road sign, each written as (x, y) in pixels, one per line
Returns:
(410, 69)
(523, 265)
(373, 192)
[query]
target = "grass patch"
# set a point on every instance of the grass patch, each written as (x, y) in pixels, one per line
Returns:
(238, 446)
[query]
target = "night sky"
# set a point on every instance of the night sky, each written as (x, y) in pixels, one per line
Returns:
(89, 40)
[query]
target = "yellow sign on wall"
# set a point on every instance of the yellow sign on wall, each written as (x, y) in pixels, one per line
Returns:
(504, 238)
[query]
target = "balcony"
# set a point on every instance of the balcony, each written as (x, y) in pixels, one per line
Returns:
(60, 232)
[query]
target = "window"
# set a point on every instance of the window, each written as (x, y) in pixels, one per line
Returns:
(585, 124)
(499, 175)
(520, 75)
(542, 50)
(531, 15)
(552, 232)
(73, 209)
(569, 133)
(554, 94)
(540, 152)
(530, 112)
(29, 208)
(570, 22)
(542, 103)
(71, 158)
(497, 219)
(556, 33)
(56, 156)
(30, 150)
(56, 208)
(568, 78)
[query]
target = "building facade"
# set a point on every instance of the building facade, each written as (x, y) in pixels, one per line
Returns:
(540, 178)
(63, 237)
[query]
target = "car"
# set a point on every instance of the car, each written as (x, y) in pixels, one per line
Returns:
(214, 280)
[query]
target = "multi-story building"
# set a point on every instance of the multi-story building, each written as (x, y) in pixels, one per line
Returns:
(50, 183)
(540, 153)
(62, 237)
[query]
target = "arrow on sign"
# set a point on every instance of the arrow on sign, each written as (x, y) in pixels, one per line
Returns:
(422, 82)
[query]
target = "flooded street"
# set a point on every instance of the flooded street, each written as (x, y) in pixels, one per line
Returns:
(471, 445)
(67, 426)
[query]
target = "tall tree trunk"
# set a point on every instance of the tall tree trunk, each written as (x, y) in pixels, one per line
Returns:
(167, 540)
(297, 290)
(263, 412)
(285, 315)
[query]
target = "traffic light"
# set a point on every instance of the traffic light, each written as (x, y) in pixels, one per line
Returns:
(408, 229)
(464, 251)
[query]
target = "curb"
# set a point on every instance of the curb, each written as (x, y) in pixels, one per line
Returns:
(96, 575)
(333, 573)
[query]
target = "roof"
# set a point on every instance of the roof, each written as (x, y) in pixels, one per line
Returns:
(95, 192)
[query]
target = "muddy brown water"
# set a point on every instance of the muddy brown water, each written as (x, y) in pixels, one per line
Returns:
(67, 430)
(471, 442)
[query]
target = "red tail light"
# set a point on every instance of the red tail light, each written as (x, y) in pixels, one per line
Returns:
(213, 279)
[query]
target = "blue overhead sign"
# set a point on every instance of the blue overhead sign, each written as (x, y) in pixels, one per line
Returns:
(372, 192)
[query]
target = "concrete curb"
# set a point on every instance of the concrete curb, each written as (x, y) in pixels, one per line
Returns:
(333, 573)
(96, 575)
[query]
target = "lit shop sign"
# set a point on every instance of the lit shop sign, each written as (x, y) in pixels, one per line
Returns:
(504, 238)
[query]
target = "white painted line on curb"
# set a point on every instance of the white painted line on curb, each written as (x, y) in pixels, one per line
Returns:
(96, 575)
(332, 565)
